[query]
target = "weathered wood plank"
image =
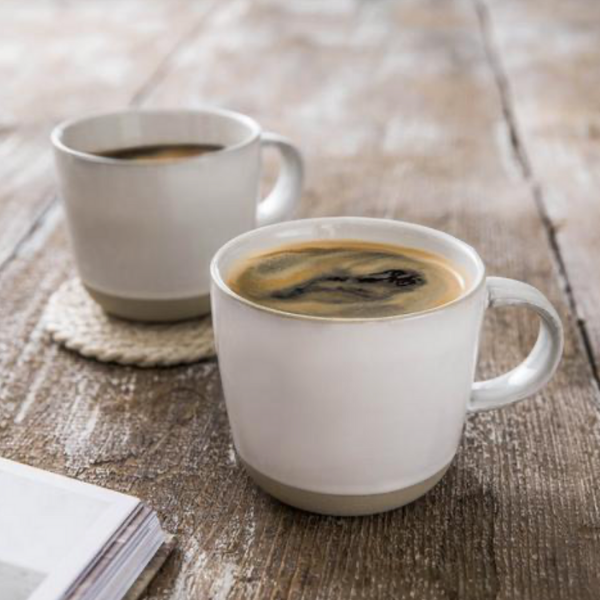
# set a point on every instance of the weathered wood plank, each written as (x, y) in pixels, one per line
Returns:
(549, 54)
(26, 187)
(398, 111)
(59, 60)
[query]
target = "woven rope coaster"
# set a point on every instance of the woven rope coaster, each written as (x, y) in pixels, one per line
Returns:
(74, 320)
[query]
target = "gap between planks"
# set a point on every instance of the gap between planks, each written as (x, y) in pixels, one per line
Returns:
(526, 171)
(38, 222)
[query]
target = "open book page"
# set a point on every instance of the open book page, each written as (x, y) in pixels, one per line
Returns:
(51, 529)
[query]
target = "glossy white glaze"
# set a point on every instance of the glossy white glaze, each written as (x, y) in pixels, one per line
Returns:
(358, 406)
(149, 230)
(536, 370)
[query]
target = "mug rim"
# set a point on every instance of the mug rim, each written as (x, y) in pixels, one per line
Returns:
(476, 285)
(56, 136)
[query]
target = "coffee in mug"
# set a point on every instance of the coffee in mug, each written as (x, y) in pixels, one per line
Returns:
(150, 195)
(347, 350)
(347, 279)
(159, 152)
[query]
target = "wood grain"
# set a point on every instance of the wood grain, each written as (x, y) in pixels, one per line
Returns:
(549, 54)
(59, 60)
(400, 112)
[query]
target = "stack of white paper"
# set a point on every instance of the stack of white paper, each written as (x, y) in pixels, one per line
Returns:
(63, 539)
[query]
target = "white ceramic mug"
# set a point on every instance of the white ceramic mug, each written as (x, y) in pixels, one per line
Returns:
(143, 233)
(356, 416)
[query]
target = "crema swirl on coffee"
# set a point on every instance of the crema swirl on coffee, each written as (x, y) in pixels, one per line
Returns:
(346, 279)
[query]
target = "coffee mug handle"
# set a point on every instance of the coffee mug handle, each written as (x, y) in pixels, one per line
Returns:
(280, 203)
(537, 369)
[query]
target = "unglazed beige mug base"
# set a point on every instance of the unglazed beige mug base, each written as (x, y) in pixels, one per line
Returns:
(343, 505)
(156, 311)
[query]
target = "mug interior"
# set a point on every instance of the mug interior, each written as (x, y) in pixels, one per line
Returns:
(132, 128)
(462, 256)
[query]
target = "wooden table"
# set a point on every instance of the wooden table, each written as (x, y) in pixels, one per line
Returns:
(479, 117)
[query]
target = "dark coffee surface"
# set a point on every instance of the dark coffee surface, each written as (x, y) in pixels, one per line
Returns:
(160, 152)
(347, 279)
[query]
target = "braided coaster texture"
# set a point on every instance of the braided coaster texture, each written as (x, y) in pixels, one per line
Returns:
(74, 320)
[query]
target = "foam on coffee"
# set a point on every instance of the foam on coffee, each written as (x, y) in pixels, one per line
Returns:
(347, 279)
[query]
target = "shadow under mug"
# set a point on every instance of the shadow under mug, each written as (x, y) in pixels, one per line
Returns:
(143, 232)
(357, 416)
